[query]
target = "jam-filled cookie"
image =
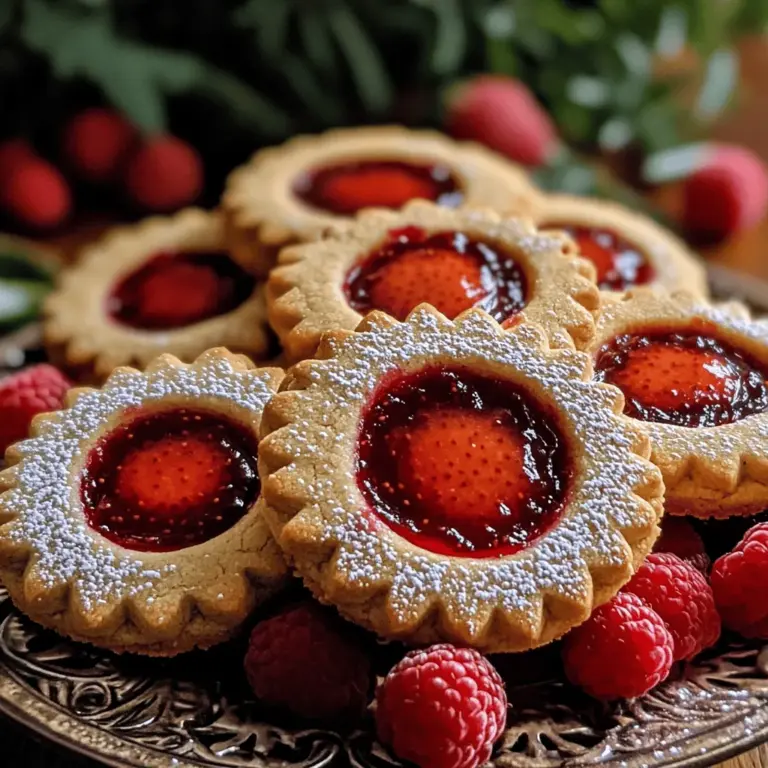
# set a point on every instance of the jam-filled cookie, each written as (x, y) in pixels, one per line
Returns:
(695, 376)
(291, 193)
(132, 518)
(444, 480)
(163, 285)
(627, 249)
(453, 260)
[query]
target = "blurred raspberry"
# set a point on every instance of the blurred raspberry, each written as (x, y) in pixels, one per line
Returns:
(23, 395)
(305, 660)
(12, 153)
(740, 581)
(97, 142)
(501, 113)
(36, 194)
(679, 537)
(727, 194)
(164, 174)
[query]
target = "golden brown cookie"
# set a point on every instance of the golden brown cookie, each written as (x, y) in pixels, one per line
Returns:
(694, 375)
(291, 193)
(627, 249)
(443, 480)
(163, 285)
(394, 260)
(132, 519)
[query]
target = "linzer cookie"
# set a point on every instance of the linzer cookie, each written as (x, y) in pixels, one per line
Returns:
(132, 519)
(453, 260)
(163, 285)
(626, 248)
(695, 376)
(452, 481)
(291, 193)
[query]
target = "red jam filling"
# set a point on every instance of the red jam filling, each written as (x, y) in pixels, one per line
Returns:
(448, 270)
(619, 263)
(684, 378)
(462, 464)
(346, 188)
(172, 290)
(170, 479)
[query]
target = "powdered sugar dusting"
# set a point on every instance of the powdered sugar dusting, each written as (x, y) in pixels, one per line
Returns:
(44, 503)
(602, 500)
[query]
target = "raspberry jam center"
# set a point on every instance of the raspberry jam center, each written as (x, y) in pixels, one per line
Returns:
(683, 378)
(346, 188)
(169, 480)
(172, 290)
(462, 464)
(448, 270)
(619, 263)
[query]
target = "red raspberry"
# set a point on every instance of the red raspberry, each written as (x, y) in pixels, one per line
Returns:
(680, 538)
(97, 143)
(623, 650)
(739, 581)
(25, 394)
(13, 152)
(164, 174)
(727, 194)
(305, 660)
(683, 598)
(36, 193)
(501, 113)
(443, 707)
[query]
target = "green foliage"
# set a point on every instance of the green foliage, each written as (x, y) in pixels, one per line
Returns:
(275, 67)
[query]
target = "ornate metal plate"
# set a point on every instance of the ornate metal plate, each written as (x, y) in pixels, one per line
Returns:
(195, 712)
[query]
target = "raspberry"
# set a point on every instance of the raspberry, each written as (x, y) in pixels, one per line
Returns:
(97, 142)
(443, 707)
(306, 661)
(25, 394)
(680, 538)
(12, 153)
(739, 581)
(164, 174)
(36, 193)
(727, 194)
(682, 597)
(501, 113)
(623, 650)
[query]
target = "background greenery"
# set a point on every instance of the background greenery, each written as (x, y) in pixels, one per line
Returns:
(231, 75)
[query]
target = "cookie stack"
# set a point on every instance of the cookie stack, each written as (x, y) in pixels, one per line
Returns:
(493, 396)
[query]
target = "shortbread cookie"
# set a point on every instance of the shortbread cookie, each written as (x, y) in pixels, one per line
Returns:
(627, 249)
(132, 519)
(163, 285)
(695, 375)
(452, 481)
(291, 193)
(454, 260)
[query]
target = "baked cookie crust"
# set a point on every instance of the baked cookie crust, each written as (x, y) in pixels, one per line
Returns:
(709, 471)
(82, 337)
(377, 578)
(675, 267)
(263, 214)
(306, 298)
(67, 576)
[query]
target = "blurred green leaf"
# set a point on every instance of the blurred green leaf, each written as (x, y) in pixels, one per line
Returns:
(672, 164)
(20, 301)
(365, 65)
(15, 264)
(450, 37)
(720, 79)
